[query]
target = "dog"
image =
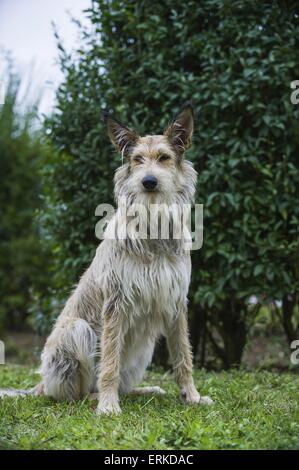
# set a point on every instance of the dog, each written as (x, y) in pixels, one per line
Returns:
(135, 290)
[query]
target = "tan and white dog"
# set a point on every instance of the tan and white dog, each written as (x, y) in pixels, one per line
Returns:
(135, 290)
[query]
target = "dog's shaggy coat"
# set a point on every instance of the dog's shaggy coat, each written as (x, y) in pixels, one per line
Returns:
(134, 290)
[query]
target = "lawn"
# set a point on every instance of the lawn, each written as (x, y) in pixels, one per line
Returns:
(252, 411)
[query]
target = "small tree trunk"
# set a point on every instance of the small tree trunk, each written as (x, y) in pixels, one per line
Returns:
(234, 344)
(161, 356)
(198, 334)
(287, 313)
(202, 346)
(233, 332)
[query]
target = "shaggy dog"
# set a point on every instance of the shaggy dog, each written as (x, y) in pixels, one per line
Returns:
(135, 289)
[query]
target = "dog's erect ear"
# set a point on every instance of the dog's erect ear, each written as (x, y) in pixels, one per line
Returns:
(180, 131)
(120, 135)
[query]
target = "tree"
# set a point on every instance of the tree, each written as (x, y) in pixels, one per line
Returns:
(23, 257)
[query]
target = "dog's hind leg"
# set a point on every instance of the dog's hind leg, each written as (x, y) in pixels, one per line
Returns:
(153, 390)
(13, 392)
(138, 357)
(68, 369)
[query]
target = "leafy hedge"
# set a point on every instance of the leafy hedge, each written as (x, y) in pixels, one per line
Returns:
(236, 61)
(23, 256)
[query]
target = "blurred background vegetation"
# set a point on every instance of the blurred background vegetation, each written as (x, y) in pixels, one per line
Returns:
(142, 60)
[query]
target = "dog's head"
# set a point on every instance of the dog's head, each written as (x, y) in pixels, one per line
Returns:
(155, 169)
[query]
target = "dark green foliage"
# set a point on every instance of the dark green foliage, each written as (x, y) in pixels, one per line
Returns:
(23, 258)
(236, 61)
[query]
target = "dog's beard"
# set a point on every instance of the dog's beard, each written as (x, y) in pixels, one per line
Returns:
(143, 216)
(148, 198)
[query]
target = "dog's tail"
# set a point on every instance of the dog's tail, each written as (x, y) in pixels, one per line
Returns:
(12, 392)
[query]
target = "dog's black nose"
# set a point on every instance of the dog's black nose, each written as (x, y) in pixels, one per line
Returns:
(149, 182)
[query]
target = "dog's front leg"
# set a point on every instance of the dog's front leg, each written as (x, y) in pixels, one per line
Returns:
(108, 382)
(181, 356)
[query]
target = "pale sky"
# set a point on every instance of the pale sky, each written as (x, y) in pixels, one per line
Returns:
(25, 30)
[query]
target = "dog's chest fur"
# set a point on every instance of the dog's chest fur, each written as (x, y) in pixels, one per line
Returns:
(158, 285)
(149, 280)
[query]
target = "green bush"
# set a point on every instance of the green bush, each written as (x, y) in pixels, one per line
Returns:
(236, 61)
(23, 257)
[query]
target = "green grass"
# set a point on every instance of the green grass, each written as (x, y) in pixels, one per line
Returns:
(252, 411)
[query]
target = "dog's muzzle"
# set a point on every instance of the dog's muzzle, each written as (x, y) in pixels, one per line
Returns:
(150, 182)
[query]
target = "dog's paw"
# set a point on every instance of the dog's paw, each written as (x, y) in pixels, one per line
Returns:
(158, 390)
(112, 408)
(153, 390)
(190, 396)
(206, 401)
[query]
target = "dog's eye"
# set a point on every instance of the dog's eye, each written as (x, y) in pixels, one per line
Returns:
(163, 158)
(138, 159)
